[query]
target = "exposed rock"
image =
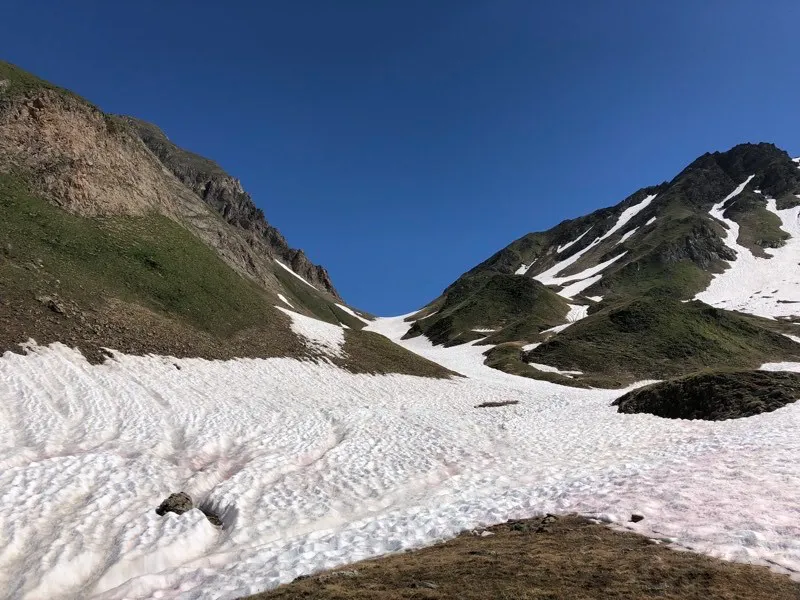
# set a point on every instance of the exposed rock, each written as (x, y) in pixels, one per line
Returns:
(53, 304)
(226, 196)
(178, 503)
(714, 396)
(94, 164)
(636, 518)
(550, 519)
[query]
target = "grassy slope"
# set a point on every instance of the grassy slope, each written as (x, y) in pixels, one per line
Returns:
(570, 558)
(311, 299)
(147, 285)
(492, 300)
(21, 82)
(714, 396)
(151, 260)
(660, 338)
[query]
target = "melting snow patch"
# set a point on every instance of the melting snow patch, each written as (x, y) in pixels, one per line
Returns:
(627, 235)
(577, 312)
(595, 298)
(557, 328)
(484, 330)
(285, 301)
(741, 286)
(319, 335)
(529, 347)
(573, 289)
(627, 215)
(560, 249)
(289, 269)
(551, 275)
(353, 313)
(549, 369)
(522, 269)
(650, 222)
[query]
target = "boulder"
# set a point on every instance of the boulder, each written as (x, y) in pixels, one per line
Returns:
(178, 503)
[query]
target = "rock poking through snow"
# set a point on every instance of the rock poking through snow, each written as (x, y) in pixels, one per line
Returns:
(177, 503)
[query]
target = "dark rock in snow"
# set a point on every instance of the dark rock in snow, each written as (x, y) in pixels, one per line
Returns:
(178, 503)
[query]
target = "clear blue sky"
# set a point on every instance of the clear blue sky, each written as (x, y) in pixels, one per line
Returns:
(401, 142)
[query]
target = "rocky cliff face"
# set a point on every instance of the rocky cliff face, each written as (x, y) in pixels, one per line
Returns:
(98, 165)
(227, 197)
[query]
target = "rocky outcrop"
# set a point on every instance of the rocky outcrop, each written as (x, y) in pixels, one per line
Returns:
(226, 196)
(96, 165)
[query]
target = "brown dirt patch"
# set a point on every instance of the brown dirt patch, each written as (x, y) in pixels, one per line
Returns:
(571, 558)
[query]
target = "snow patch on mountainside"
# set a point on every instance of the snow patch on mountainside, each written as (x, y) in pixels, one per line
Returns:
(285, 301)
(353, 313)
(627, 235)
(627, 215)
(768, 287)
(577, 312)
(573, 289)
(549, 369)
(522, 269)
(289, 269)
(573, 285)
(560, 249)
(318, 335)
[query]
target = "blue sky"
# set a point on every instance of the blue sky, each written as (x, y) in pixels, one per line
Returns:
(402, 142)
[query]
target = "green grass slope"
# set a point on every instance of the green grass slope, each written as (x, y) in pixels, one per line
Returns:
(657, 338)
(492, 301)
(148, 285)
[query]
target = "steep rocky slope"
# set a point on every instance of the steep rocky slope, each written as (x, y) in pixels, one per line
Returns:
(115, 238)
(225, 195)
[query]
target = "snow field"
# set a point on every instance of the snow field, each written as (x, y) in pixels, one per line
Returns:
(313, 467)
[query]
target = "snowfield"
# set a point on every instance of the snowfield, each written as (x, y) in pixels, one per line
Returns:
(311, 467)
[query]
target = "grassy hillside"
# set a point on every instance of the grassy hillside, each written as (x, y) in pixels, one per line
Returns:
(543, 559)
(661, 338)
(148, 285)
(492, 301)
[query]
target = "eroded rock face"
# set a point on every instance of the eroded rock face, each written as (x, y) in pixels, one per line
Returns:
(94, 164)
(226, 196)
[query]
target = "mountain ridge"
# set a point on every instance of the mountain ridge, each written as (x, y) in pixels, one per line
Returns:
(666, 241)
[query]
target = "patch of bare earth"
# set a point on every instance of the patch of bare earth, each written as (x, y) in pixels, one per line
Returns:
(570, 558)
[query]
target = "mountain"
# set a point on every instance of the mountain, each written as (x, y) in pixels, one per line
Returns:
(195, 412)
(114, 237)
(697, 272)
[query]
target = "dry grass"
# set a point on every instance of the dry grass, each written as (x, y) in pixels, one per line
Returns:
(571, 558)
